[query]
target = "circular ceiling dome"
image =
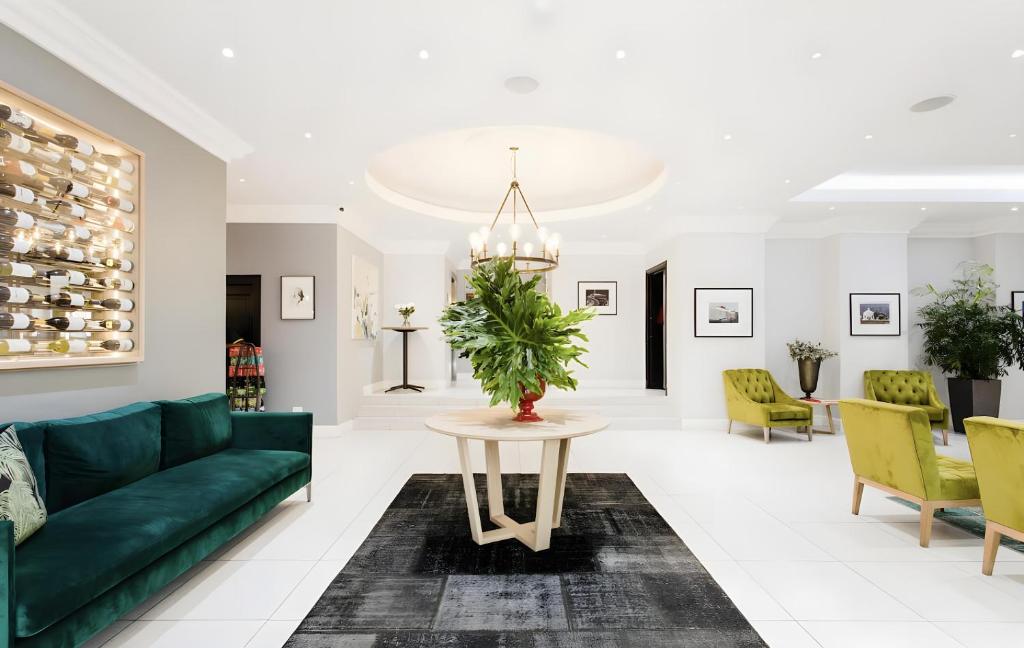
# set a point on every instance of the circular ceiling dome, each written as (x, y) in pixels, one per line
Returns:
(564, 173)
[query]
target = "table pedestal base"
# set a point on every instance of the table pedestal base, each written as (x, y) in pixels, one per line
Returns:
(550, 493)
(412, 387)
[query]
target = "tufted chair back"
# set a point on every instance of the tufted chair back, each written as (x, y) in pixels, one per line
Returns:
(898, 387)
(755, 384)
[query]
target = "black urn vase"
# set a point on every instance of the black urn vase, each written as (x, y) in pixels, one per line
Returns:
(808, 369)
(969, 398)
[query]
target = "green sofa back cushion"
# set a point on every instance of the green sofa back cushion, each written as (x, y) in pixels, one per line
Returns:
(898, 387)
(94, 454)
(31, 436)
(194, 428)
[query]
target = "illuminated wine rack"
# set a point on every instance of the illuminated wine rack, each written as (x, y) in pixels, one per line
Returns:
(70, 240)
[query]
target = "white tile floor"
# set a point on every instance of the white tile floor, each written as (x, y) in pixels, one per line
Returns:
(770, 522)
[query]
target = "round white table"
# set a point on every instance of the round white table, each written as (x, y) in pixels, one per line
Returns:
(493, 425)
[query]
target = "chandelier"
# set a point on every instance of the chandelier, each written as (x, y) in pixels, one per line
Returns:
(528, 256)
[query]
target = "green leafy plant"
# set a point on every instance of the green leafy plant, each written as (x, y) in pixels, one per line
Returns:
(966, 334)
(800, 350)
(514, 334)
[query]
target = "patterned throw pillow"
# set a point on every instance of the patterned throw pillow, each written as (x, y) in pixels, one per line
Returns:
(19, 493)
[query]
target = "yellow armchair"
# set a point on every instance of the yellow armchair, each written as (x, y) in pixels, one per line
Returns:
(891, 449)
(997, 448)
(752, 396)
(914, 388)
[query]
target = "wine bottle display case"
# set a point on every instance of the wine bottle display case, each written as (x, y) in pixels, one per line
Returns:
(71, 218)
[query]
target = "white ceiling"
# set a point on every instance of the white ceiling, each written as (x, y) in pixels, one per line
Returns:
(694, 72)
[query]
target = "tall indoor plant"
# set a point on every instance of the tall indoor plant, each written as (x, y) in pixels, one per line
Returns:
(516, 338)
(808, 356)
(971, 340)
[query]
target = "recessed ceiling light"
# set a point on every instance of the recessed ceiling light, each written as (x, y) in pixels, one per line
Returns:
(832, 208)
(816, 56)
(521, 84)
(351, 182)
(924, 209)
(424, 55)
(308, 135)
(1014, 208)
(1017, 53)
(727, 137)
(649, 207)
(787, 180)
(604, 236)
(933, 103)
(241, 179)
(869, 137)
(228, 52)
(1013, 135)
(620, 54)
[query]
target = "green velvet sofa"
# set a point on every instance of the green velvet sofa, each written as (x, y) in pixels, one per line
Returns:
(911, 388)
(136, 496)
(752, 396)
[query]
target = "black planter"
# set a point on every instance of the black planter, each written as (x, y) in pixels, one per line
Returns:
(808, 375)
(969, 398)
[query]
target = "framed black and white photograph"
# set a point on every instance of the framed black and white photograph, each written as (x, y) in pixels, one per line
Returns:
(1017, 302)
(875, 314)
(602, 296)
(298, 298)
(723, 312)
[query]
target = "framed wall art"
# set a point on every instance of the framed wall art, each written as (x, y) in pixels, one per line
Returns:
(723, 312)
(1017, 301)
(298, 298)
(602, 296)
(365, 299)
(875, 314)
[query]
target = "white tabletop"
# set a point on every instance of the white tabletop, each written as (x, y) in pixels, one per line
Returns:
(498, 424)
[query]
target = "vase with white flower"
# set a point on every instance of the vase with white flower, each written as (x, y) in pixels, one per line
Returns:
(406, 311)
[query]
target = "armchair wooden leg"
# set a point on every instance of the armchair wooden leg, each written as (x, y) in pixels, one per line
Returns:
(858, 493)
(991, 547)
(767, 435)
(945, 437)
(729, 431)
(927, 516)
(810, 432)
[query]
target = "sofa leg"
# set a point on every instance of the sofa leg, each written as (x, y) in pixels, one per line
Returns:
(858, 493)
(991, 546)
(945, 437)
(767, 435)
(309, 492)
(927, 515)
(729, 431)
(810, 432)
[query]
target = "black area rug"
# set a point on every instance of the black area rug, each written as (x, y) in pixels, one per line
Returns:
(615, 575)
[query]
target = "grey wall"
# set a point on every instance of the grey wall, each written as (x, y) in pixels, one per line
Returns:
(300, 355)
(183, 233)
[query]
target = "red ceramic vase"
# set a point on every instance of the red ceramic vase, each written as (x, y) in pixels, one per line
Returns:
(526, 413)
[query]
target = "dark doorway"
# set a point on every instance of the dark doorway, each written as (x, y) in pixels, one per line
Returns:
(243, 308)
(657, 280)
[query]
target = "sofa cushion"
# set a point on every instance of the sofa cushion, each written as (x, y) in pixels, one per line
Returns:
(782, 412)
(193, 428)
(31, 436)
(91, 455)
(87, 549)
(957, 480)
(19, 494)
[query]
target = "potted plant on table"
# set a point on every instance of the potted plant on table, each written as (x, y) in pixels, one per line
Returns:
(517, 339)
(971, 340)
(406, 311)
(808, 356)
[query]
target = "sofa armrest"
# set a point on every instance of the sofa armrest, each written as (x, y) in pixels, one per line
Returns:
(272, 431)
(7, 613)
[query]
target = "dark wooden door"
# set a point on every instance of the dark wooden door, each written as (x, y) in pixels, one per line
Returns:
(657, 297)
(242, 320)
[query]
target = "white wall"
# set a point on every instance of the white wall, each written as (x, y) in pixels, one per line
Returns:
(423, 280)
(616, 341)
(359, 361)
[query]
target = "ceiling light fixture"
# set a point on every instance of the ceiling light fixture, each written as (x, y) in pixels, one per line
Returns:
(351, 182)
(816, 56)
(1013, 135)
(228, 52)
(832, 208)
(869, 137)
(424, 55)
(932, 103)
(308, 135)
(786, 180)
(620, 54)
(241, 179)
(1017, 53)
(523, 254)
(924, 209)
(727, 137)
(1014, 208)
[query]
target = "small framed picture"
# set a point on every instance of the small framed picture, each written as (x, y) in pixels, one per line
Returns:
(723, 312)
(298, 298)
(875, 314)
(602, 296)
(1017, 301)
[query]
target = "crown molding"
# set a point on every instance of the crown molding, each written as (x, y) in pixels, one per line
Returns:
(64, 34)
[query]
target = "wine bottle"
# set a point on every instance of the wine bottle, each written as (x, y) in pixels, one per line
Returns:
(67, 323)
(117, 283)
(17, 192)
(114, 303)
(71, 277)
(16, 219)
(15, 168)
(16, 321)
(14, 269)
(117, 324)
(116, 162)
(15, 295)
(14, 116)
(23, 146)
(127, 245)
(64, 345)
(69, 142)
(14, 245)
(65, 253)
(62, 207)
(66, 300)
(116, 345)
(9, 347)
(116, 202)
(124, 265)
